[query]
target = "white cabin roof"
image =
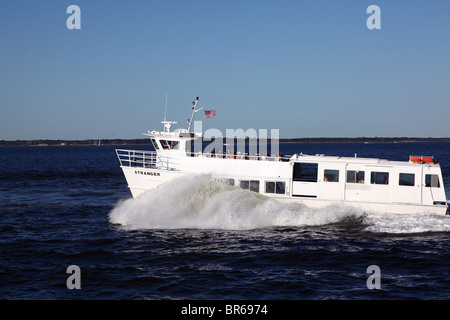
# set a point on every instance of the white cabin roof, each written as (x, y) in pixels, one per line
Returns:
(181, 134)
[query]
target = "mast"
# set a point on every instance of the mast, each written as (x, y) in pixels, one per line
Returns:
(165, 113)
(167, 124)
(194, 106)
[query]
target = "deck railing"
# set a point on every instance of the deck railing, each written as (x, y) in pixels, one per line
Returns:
(139, 159)
(240, 156)
(150, 159)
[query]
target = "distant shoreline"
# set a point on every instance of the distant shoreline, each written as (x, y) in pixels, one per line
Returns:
(93, 142)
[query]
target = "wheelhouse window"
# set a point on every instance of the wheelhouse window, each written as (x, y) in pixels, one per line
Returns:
(432, 180)
(406, 179)
(305, 172)
(379, 177)
(278, 187)
(252, 185)
(355, 176)
(168, 144)
(155, 144)
(331, 175)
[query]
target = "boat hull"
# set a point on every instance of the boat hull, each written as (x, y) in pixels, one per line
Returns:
(375, 207)
(141, 180)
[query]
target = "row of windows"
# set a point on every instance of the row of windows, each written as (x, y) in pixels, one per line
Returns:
(378, 177)
(308, 172)
(277, 187)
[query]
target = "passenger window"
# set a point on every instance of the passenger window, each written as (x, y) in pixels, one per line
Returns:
(331, 175)
(305, 172)
(432, 180)
(244, 184)
(406, 179)
(226, 181)
(379, 177)
(270, 187)
(252, 185)
(355, 176)
(278, 187)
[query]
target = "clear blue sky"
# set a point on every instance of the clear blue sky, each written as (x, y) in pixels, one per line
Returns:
(309, 68)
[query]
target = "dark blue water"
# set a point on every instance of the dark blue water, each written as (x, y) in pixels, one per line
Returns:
(55, 206)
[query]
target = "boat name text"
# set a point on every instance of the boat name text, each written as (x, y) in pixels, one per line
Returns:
(150, 173)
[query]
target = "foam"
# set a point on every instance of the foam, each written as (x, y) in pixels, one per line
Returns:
(407, 223)
(202, 203)
(199, 202)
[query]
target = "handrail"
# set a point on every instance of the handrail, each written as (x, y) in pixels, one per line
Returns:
(144, 159)
(137, 158)
(239, 156)
(151, 159)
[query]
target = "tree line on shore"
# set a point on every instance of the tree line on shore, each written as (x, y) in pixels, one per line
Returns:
(47, 142)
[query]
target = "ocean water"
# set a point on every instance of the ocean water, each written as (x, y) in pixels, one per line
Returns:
(198, 239)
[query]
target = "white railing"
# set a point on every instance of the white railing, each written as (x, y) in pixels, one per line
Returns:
(239, 156)
(150, 159)
(138, 158)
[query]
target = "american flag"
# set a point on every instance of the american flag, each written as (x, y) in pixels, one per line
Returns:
(209, 113)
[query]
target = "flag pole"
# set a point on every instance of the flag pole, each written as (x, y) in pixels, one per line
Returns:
(194, 106)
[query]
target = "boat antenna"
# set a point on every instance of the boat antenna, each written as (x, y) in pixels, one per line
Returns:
(194, 106)
(165, 114)
(167, 124)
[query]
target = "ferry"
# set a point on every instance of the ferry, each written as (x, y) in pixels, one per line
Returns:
(317, 181)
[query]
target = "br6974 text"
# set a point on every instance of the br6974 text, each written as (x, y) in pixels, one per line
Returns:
(246, 309)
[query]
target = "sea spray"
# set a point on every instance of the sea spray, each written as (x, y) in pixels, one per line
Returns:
(407, 223)
(200, 202)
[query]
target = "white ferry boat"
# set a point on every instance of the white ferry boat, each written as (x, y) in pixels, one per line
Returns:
(369, 184)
